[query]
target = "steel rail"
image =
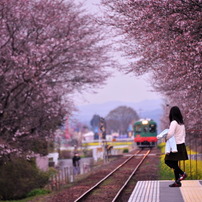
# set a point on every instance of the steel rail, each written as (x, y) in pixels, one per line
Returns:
(132, 174)
(97, 184)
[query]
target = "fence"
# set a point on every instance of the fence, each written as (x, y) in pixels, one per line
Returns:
(66, 175)
(193, 167)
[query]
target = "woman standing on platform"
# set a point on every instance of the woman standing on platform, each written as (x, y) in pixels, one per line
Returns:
(176, 129)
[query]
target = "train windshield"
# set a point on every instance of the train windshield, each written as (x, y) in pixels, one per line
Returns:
(138, 128)
(152, 128)
(145, 128)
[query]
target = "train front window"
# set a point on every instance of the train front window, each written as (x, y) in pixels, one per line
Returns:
(138, 128)
(152, 128)
(146, 129)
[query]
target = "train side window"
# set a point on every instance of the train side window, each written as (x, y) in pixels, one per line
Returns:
(152, 128)
(138, 128)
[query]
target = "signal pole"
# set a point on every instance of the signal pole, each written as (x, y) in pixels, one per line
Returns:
(103, 136)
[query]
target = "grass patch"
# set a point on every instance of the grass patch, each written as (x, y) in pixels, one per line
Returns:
(37, 192)
(192, 167)
(31, 195)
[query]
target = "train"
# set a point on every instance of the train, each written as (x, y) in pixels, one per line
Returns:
(145, 132)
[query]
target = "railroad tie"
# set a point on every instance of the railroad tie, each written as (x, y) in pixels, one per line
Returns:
(145, 191)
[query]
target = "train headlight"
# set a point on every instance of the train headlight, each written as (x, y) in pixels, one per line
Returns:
(145, 122)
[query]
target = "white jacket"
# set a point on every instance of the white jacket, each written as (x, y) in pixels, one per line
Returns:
(171, 145)
(178, 131)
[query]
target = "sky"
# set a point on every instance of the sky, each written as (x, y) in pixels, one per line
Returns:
(120, 87)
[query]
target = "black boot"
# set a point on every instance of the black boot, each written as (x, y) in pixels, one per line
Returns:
(176, 184)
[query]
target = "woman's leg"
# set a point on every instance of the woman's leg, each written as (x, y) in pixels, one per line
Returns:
(177, 170)
(172, 164)
(169, 163)
(179, 174)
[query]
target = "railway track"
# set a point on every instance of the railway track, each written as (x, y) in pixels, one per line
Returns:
(111, 186)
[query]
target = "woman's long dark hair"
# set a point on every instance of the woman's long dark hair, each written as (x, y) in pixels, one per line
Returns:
(175, 114)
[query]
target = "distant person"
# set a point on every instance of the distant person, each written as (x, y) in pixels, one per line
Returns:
(76, 163)
(176, 129)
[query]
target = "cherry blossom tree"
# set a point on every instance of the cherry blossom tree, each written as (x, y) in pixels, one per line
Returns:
(164, 38)
(48, 50)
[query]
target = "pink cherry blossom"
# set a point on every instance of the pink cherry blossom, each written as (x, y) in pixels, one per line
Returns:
(48, 50)
(164, 39)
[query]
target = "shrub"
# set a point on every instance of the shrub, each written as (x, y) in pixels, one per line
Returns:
(18, 177)
(125, 150)
(37, 192)
(51, 172)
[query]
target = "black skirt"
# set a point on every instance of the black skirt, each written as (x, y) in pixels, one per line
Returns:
(180, 155)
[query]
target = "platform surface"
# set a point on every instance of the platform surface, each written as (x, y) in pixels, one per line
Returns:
(159, 191)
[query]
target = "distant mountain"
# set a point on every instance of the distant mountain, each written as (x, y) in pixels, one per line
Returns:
(145, 109)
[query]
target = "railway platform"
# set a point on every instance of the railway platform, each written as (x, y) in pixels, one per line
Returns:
(159, 191)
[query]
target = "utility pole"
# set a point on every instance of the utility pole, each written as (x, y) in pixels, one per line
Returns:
(103, 136)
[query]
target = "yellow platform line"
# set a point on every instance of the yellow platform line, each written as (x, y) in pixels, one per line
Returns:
(191, 191)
